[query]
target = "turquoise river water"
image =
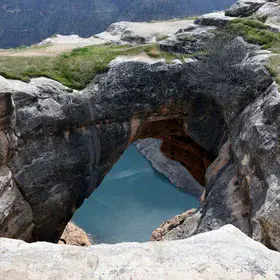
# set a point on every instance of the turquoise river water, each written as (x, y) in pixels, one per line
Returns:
(131, 202)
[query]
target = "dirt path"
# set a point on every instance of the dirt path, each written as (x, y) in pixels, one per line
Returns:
(59, 44)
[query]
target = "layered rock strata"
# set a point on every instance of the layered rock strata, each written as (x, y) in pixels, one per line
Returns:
(217, 114)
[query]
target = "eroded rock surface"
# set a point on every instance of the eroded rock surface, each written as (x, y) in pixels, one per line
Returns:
(271, 12)
(173, 170)
(224, 254)
(217, 114)
(73, 235)
(67, 142)
(244, 8)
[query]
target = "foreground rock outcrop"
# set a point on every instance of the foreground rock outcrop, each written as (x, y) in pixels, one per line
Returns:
(176, 228)
(223, 254)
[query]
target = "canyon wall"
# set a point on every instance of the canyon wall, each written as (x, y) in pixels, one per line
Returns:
(217, 114)
(65, 143)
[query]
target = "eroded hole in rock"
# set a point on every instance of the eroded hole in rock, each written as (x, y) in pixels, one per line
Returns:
(131, 202)
(134, 198)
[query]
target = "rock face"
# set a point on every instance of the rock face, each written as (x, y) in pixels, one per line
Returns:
(173, 170)
(65, 143)
(224, 254)
(15, 213)
(270, 11)
(217, 114)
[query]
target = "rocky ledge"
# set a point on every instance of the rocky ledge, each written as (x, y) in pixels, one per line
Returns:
(223, 254)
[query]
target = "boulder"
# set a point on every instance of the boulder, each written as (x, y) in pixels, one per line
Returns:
(244, 8)
(218, 19)
(74, 235)
(179, 227)
(189, 40)
(271, 13)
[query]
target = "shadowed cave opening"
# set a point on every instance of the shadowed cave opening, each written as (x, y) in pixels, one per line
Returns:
(189, 135)
(132, 201)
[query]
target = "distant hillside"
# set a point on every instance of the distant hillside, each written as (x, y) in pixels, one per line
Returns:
(26, 22)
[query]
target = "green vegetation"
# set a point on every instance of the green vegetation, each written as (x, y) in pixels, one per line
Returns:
(77, 68)
(161, 38)
(182, 37)
(254, 31)
(273, 66)
(187, 38)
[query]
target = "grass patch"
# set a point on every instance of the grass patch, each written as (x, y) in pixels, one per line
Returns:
(187, 38)
(253, 31)
(154, 51)
(75, 69)
(161, 38)
(273, 66)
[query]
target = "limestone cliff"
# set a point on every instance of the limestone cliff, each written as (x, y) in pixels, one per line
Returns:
(216, 113)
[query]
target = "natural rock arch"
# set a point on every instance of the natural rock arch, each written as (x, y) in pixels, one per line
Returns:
(56, 146)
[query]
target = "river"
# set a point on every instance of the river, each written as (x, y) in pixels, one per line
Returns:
(131, 202)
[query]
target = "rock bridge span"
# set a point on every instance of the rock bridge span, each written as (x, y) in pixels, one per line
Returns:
(57, 146)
